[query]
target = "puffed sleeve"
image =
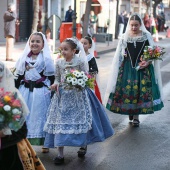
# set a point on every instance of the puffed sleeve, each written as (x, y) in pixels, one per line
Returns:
(57, 72)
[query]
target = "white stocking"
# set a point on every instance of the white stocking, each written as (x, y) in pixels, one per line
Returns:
(61, 151)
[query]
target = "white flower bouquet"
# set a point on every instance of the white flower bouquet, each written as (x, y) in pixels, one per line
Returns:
(79, 79)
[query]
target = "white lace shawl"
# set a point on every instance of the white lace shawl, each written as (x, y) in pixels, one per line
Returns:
(48, 65)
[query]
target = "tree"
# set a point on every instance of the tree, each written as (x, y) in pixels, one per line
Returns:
(86, 17)
(35, 18)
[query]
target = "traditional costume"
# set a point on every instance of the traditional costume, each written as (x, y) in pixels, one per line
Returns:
(129, 91)
(75, 117)
(93, 69)
(15, 150)
(33, 85)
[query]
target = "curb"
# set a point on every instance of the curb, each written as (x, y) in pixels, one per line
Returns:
(106, 51)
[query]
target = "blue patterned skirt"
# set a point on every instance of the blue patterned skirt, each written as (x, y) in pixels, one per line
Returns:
(100, 130)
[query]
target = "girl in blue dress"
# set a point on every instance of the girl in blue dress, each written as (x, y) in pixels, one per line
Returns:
(75, 117)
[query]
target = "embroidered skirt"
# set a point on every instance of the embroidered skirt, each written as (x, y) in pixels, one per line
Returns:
(100, 127)
(136, 91)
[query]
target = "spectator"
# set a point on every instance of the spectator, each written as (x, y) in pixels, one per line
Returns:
(102, 23)
(121, 24)
(9, 29)
(126, 18)
(153, 24)
(93, 20)
(69, 13)
(159, 23)
(90, 30)
(147, 22)
(162, 21)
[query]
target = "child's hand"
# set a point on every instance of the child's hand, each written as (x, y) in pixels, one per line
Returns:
(144, 64)
(54, 87)
(28, 67)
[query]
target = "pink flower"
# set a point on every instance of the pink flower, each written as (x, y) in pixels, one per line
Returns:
(16, 103)
(1, 104)
(16, 117)
(89, 76)
(72, 70)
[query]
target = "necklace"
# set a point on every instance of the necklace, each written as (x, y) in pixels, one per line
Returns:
(137, 55)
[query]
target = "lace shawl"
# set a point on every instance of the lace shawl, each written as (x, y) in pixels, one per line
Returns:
(48, 65)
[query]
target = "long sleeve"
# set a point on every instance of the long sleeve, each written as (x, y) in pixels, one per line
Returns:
(9, 16)
(51, 78)
(82, 66)
(18, 81)
(93, 65)
(57, 74)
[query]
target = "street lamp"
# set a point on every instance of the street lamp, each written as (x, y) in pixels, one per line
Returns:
(74, 20)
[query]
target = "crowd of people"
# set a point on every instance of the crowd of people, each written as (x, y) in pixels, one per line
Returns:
(97, 23)
(152, 24)
(157, 23)
(62, 115)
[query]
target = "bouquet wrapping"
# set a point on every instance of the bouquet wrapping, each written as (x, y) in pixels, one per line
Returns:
(11, 113)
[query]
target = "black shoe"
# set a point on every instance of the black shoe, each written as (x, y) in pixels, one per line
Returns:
(58, 160)
(130, 117)
(136, 122)
(82, 152)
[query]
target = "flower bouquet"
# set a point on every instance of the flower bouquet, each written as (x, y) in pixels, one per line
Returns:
(10, 111)
(151, 53)
(79, 79)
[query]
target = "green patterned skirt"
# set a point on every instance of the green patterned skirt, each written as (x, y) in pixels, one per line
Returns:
(136, 91)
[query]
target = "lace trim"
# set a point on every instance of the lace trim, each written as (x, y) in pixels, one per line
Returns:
(141, 38)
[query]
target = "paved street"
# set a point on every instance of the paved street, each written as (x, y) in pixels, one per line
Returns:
(143, 148)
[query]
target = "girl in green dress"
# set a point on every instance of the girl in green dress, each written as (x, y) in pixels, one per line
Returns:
(131, 91)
